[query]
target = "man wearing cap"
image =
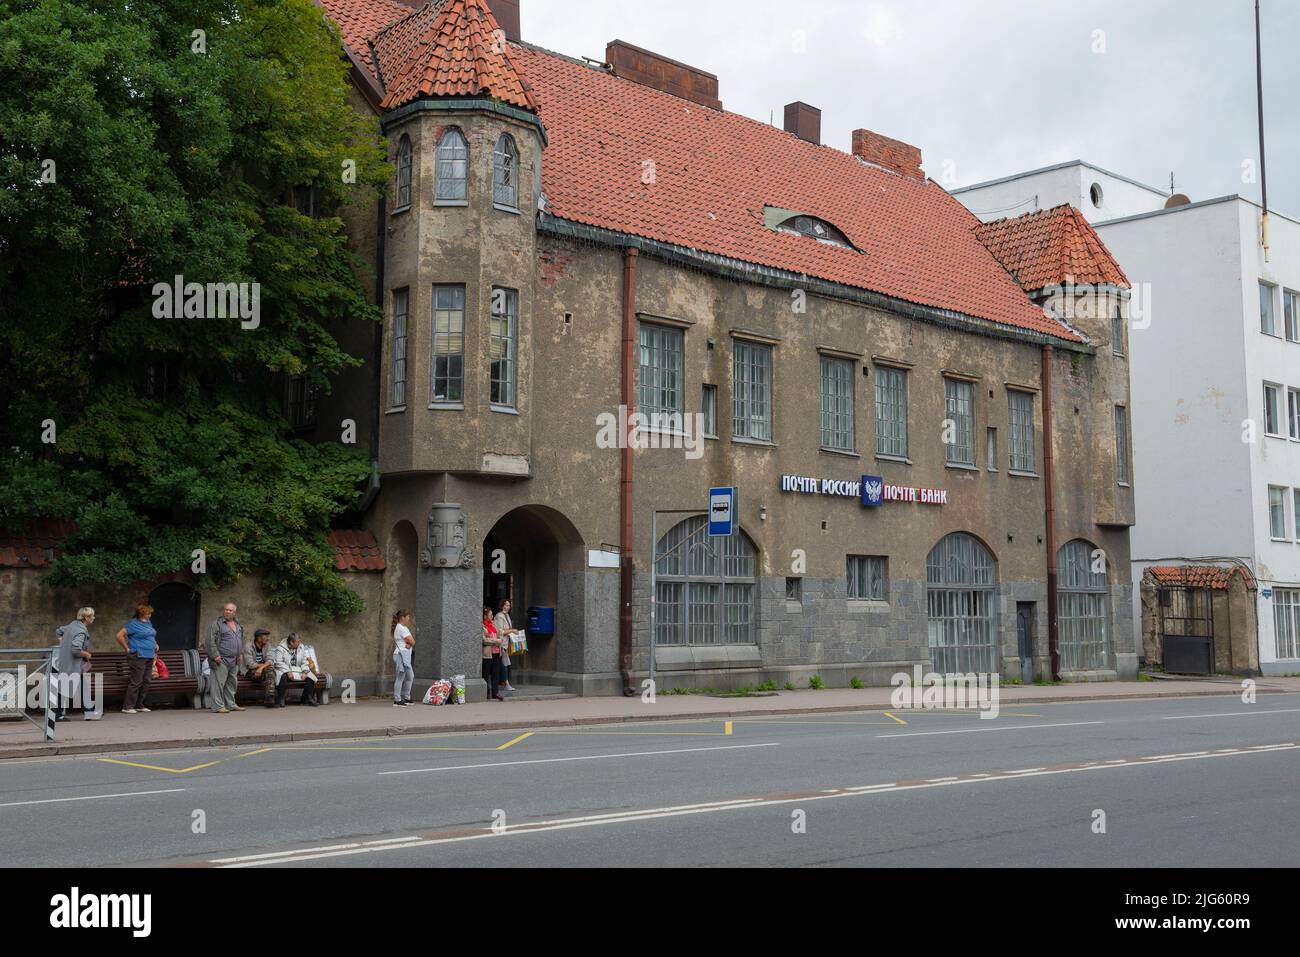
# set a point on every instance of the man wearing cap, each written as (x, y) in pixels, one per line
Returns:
(258, 665)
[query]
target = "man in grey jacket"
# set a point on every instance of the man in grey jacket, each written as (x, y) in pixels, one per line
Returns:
(225, 652)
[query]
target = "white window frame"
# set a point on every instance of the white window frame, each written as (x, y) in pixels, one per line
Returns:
(1286, 623)
(1123, 461)
(1272, 410)
(1117, 329)
(1268, 309)
(709, 409)
(1277, 513)
(405, 175)
(1291, 315)
(444, 339)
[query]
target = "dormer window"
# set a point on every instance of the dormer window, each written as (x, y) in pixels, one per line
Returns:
(404, 173)
(452, 173)
(505, 173)
(801, 224)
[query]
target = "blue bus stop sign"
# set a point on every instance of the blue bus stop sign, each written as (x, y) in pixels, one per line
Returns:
(722, 512)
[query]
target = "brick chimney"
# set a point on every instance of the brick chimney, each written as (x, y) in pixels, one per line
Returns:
(804, 121)
(891, 154)
(661, 73)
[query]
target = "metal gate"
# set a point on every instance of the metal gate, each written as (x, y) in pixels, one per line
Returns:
(1187, 629)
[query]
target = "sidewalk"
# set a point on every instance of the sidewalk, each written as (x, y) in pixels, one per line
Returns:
(162, 730)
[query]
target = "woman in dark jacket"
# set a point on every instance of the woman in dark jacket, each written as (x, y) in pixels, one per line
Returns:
(491, 656)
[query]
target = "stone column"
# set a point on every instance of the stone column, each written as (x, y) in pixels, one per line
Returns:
(450, 602)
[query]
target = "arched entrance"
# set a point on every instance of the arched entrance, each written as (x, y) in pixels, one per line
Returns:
(402, 559)
(534, 557)
(175, 615)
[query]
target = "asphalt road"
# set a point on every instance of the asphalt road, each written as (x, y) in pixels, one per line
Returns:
(1181, 783)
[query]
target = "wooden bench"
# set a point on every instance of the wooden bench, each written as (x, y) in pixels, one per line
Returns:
(249, 690)
(115, 666)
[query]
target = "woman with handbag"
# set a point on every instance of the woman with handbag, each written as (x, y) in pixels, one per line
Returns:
(491, 656)
(73, 659)
(139, 640)
(506, 630)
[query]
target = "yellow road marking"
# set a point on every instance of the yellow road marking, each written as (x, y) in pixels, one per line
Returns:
(728, 728)
(510, 744)
(895, 718)
(154, 767)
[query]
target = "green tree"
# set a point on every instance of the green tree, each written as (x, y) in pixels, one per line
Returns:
(142, 140)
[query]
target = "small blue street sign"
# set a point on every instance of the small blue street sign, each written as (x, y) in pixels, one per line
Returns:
(722, 512)
(1268, 594)
(873, 491)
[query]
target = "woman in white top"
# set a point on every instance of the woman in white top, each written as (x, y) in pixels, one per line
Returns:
(506, 629)
(403, 644)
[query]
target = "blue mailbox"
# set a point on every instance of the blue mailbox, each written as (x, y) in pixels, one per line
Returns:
(541, 621)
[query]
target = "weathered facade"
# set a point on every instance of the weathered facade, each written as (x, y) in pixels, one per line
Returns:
(504, 365)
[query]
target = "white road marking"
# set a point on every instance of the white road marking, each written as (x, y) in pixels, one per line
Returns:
(94, 797)
(314, 854)
(1014, 727)
(1229, 714)
(585, 757)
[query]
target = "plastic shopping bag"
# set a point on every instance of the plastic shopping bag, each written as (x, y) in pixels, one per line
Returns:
(439, 692)
(458, 685)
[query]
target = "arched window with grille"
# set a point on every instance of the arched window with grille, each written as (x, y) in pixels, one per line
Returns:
(505, 173)
(452, 174)
(404, 172)
(1081, 589)
(706, 588)
(961, 585)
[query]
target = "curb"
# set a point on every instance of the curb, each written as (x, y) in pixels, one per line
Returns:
(290, 737)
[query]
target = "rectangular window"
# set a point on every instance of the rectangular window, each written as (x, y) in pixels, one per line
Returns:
(1271, 422)
(709, 406)
(1021, 411)
(837, 404)
(1267, 323)
(991, 450)
(891, 411)
(752, 391)
(503, 333)
(448, 343)
(1293, 413)
(794, 590)
(1277, 512)
(1117, 329)
(1295, 511)
(661, 376)
(959, 429)
(1286, 622)
(300, 400)
(868, 578)
(1291, 314)
(401, 304)
(1121, 445)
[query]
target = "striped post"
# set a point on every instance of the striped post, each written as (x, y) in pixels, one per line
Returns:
(49, 698)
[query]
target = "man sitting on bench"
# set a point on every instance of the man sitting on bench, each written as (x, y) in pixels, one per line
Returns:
(258, 666)
(290, 659)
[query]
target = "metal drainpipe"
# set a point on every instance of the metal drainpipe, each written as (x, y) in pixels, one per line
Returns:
(377, 360)
(1049, 489)
(625, 493)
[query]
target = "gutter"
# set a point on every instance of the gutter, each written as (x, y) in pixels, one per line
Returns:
(783, 279)
(1049, 491)
(630, 255)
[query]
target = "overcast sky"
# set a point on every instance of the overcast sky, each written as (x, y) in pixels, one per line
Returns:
(993, 86)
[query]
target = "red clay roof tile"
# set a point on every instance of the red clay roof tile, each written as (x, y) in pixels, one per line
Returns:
(1052, 247)
(1201, 576)
(356, 551)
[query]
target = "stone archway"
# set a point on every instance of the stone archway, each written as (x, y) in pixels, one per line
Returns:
(535, 557)
(403, 558)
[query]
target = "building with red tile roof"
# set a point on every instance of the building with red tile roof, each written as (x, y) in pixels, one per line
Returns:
(607, 297)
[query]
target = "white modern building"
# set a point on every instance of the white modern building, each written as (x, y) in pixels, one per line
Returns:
(1215, 366)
